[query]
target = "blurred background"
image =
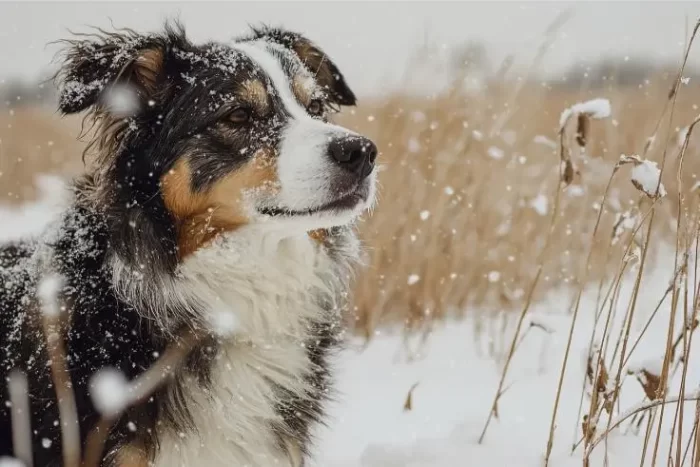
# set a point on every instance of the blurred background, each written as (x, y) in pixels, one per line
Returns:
(464, 100)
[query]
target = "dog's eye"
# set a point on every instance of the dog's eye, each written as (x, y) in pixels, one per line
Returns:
(239, 115)
(315, 107)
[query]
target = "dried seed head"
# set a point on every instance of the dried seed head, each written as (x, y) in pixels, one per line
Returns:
(650, 382)
(582, 129)
(568, 173)
(408, 404)
(646, 176)
(588, 429)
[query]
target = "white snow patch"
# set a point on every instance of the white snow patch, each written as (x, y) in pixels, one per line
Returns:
(31, 219)
(646, 175)
(458, 379)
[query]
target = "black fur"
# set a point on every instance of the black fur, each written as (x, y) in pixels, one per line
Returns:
(119, 212)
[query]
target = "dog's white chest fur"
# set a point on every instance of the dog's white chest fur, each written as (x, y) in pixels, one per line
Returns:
(271, 288)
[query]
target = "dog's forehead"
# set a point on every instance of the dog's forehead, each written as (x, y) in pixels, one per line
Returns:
(269, 58)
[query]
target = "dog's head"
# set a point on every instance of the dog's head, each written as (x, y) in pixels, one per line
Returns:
(217, 136)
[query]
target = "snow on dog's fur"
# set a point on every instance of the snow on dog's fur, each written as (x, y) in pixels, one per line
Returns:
(223, 201)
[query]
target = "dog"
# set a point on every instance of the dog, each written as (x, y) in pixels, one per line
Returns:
(222, 202)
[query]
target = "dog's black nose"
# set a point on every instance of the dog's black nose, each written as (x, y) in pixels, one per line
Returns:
(354, 153)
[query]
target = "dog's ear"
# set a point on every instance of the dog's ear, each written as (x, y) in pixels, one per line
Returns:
(316, 60)
(94, 63)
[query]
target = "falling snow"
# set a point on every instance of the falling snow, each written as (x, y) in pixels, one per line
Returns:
(540, 204)
(495, 153)
(109, 391)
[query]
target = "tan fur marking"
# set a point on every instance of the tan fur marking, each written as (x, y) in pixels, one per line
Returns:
(148, 66)
(319, 235)
(301, 89)
(202, 216)
(315, 61)
(255, 92)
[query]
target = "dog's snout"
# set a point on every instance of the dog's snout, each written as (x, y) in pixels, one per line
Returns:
(354, 153)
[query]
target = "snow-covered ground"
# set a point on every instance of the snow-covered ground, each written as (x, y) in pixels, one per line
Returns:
(457, 378)
(456, 372)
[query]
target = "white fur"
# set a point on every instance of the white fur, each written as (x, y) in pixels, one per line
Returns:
(272, 284)
(275, 284)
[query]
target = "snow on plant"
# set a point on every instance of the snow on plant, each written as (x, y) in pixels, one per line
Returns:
(646, 176)
(595, 108)
(582, 112)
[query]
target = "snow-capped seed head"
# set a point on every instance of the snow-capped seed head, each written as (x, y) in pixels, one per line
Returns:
(595, 108)
(646, 178)
(109, 391)
(121, 100)
(48, 290)
(648, 373)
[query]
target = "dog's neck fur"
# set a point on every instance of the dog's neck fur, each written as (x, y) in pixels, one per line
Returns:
(275, 293)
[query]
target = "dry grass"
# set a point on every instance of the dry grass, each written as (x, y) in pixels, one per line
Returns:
(470, 226)
(35, 140)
